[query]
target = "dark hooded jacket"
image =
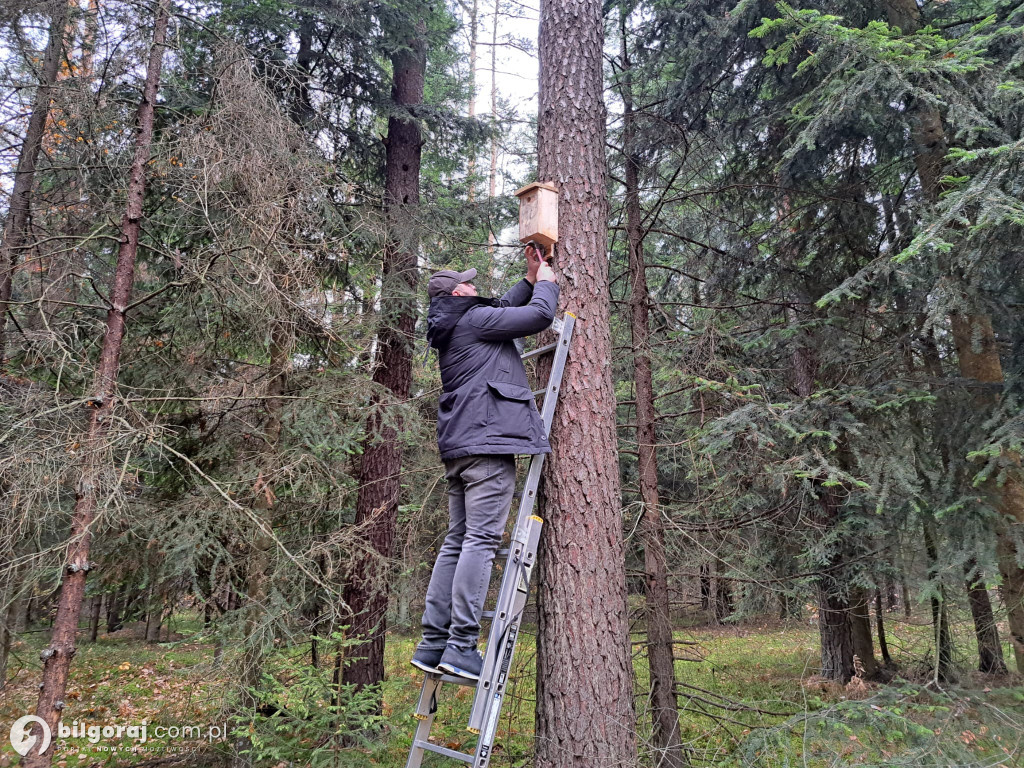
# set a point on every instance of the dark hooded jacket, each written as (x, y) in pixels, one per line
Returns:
(486, 405)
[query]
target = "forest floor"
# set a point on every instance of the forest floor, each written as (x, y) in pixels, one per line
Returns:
(750, 698)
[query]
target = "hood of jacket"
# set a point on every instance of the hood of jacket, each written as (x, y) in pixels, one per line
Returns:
(446, 311)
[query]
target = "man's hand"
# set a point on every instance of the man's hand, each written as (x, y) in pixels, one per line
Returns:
(546, 273)
(533, 261)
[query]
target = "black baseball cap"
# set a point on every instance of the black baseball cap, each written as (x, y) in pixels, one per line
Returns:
(443, 283)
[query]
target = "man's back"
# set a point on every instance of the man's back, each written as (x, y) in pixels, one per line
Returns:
(486, 406)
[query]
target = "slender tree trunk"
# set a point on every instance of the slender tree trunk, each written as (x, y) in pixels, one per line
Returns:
(705, 587)
(940, 619)
(723, 594)
(57, 657)
(667, 740)
(860, 631)
(154, 616)
(990, 650)
(257, 640)
(94, 618)
(16, 229)
(302, 110)
(492, 176)
(366, 592)
(114, 606)
(7, 635)
(585, 714)
(883, 645)
(474, 9)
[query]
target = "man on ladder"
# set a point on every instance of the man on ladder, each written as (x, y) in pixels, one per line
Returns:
(486, 416)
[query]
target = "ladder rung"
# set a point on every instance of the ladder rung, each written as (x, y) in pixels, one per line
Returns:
(487, 615)
(539, 351)
(503, 552)
(450, 753)
(539, 391)
(446, 678)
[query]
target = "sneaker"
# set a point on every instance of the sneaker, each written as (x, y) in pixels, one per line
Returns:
(427, 659)
(463, 662)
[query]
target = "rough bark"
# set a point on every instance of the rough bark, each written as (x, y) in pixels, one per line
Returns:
(585, 714)
(58, 655)
(836, 637)
(835, 625)
(666, 737)
(18, 224)
(860, 631)
(366, 592)
(990, 650)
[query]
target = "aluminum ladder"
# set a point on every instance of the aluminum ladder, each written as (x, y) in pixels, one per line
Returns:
(515, 587)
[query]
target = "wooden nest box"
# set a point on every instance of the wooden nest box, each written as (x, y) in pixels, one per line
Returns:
(538, 213)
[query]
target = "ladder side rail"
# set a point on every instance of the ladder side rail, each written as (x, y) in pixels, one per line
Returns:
(426, 708)
(547, 412)
(522, 535)
(506, 595)
(496, 696)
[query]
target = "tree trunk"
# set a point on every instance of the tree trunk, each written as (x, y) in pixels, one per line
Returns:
(257, 640)
(983, 365)
(57, 657)
(154, 617)
(366, 592)
(836, 635)
(16, 229)
(94, 618)
(474, 9)
(860, 631)
(705, 587)
(585, 712)
(667, 740)
(940, 620)
(492, 176)
(114, 610)
(723, 594)
(930, 142)
(883, 645)
(990, 650)
(835, 625)
(7, 636)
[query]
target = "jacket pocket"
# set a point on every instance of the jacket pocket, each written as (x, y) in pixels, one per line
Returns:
(512, 411)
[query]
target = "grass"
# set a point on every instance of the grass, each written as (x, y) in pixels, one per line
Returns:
(750, 698)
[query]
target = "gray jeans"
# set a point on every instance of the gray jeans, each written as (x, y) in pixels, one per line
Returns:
(479, 496)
